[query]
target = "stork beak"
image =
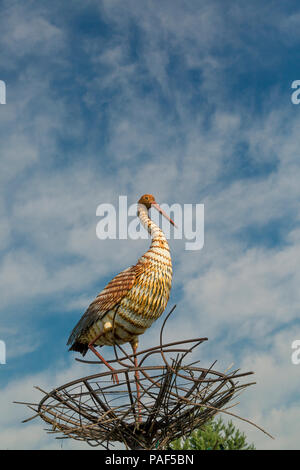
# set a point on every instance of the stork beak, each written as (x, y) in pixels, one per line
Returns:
(154, 204)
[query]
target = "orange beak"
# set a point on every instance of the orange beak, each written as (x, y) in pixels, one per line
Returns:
(154, 204)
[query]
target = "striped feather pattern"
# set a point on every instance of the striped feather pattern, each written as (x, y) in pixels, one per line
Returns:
(132, 301)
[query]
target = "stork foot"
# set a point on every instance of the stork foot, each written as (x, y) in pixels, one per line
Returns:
(115, 377)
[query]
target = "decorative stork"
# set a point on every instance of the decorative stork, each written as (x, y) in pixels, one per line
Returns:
(132, 300)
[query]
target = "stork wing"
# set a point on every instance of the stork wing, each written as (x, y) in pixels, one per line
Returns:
(108, 298)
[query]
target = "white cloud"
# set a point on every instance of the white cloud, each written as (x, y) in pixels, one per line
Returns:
(48, 216)
(25, 30)
(32, 435)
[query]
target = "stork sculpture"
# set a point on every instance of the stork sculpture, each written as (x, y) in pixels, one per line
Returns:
(132, 300)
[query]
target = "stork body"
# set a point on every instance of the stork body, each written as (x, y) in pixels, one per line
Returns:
(133, 300)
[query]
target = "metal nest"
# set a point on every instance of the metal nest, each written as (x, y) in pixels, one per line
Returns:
(176, 398)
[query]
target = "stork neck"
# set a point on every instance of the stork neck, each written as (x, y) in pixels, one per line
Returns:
(153, 229)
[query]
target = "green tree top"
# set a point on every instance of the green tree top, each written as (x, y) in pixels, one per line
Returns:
(214, 435)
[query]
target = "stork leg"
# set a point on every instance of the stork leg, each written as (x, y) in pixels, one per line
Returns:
(134, 346)
(91, 347)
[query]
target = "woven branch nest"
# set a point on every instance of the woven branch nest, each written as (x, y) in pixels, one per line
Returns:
(176, 398)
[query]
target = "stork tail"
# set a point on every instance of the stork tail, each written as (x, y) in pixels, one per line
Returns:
(79, 347)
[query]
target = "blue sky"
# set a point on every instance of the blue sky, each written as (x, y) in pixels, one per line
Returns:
(190, 101)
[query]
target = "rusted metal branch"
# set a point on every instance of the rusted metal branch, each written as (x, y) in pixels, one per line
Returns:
(176, 398)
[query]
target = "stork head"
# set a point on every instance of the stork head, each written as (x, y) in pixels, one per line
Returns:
(149, 201)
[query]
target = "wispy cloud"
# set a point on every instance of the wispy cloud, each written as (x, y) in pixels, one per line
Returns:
(188, 101)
